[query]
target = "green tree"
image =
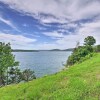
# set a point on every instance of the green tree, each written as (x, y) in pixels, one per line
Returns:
(7, 59)
(28, 75)
(97, 48)
(14, 75)
(80, 52)
(90, 40)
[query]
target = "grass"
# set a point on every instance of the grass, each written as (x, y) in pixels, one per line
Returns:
(79, 82)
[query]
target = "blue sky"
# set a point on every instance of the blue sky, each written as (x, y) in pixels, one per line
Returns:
(48, 24)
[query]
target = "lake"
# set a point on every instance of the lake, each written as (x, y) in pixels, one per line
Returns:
(42, 62)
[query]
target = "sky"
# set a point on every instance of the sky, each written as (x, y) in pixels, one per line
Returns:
(48, 24)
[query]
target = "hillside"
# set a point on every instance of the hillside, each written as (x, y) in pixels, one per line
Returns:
(79, 82)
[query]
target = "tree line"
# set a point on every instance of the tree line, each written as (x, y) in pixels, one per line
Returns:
(80, 53)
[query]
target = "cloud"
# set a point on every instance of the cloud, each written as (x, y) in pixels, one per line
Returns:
(25, 25)
(54, 34)
(17, 41)
(92, 29)
(82, 31)
(58, 10)
(70, 16)
(9, 23)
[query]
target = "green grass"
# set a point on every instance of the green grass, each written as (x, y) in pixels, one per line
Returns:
(79, 82)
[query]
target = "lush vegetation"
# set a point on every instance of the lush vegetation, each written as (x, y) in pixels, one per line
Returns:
(9, 71)
(79, 82)
(82, 51)
(97, 48)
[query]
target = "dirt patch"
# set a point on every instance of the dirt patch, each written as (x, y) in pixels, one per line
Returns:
(98, 76)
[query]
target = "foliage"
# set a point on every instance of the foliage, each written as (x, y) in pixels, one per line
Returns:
(89, 40)
(78, 54)
(81, 51)
(9, 72)
(28, 75)
(97, 48)
(15, 75)
(7, 59)
(79, 82)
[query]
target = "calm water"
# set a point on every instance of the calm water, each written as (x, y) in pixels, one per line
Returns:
(43, 62)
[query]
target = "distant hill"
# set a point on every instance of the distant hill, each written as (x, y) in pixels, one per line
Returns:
(70, 49)
(19, 50)
(55, 50)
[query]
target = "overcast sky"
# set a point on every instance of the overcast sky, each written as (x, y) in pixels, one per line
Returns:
(48, 24)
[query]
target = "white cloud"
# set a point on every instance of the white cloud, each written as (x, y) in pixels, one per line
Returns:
(69, 41)
(84, 9)
(61, 10)
(46, 46)
(61, 43)
(9, 23)
(17, 41)
(92, 29)
(22, 42)
(52, 20)
(57, 11)
(54, 34)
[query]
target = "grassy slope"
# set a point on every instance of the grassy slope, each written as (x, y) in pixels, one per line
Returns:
(79, 82)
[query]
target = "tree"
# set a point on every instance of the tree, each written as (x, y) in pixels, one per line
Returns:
(90, 40)
(9, 71)
(14, 75)
(77, 44)
(80, 52)
(97, 48)
(28, 75)
(7, 59)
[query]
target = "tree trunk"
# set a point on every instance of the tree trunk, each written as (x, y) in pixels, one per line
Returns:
(7, 76)
(2, 83)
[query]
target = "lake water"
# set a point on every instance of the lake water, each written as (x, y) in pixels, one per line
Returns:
(43, 62)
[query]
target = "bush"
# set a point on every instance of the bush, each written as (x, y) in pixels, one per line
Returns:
(97, 48)
(78, 54)
(83, 52)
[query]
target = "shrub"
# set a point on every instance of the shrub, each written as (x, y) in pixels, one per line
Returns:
(97, 48)
(78, 54)
(81, 52)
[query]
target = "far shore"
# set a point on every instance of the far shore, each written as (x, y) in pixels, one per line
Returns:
(19, 50)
